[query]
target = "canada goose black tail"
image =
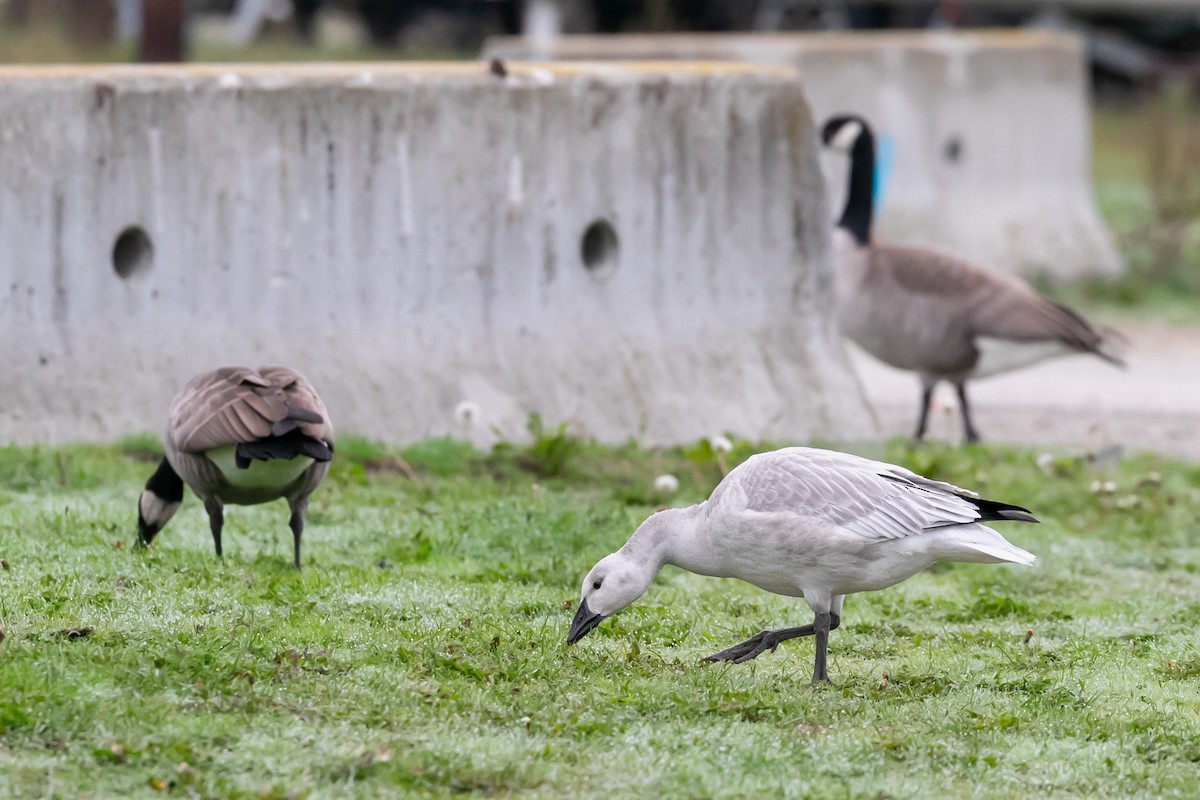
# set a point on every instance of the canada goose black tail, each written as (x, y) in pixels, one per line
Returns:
(296, 417)
(1099, 340)
(292, 444)
(991, 510)
(1111, 338)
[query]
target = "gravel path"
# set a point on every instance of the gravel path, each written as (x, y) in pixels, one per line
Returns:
(1081, 401)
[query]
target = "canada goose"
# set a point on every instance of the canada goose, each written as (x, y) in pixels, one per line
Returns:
(240, 436)
(941, 317)
(804, 523)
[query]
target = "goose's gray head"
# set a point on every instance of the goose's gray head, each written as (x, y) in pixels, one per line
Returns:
(841, 133)
(614, 583)
(158, 502)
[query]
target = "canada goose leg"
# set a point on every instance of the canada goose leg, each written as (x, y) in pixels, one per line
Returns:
(969, 431)
(216, 520)
(926, 398)
(823, 623)
(296, 523)
(761, 642)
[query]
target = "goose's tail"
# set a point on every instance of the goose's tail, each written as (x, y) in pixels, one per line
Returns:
(290, 445)
(980, 544)
(1112, 346)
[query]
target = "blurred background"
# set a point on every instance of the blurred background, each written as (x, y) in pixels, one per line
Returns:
(1144, 56)
(1144, 63)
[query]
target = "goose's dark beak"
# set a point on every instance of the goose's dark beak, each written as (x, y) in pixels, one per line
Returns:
(145, 531)
(585, 620)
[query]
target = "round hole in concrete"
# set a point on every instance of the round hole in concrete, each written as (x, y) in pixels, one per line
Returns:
(133, 252)
(953, 149)
(599, 247)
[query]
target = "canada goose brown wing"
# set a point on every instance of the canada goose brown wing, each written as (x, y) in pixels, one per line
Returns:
(236, 405)
(1015, 312)
(1030, 317)
(301, 397)
(990, 305)
(928, 272)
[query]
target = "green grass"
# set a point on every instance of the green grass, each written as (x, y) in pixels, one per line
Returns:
(421, 651)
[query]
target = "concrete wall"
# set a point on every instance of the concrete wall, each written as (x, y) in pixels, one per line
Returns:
(989, 132)
(412, 236)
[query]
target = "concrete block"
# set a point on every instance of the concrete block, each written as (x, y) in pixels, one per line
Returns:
(986, 135)
(640, 250)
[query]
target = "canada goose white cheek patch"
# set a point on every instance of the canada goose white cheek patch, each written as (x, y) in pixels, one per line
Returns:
(155, 510)
(846, 136)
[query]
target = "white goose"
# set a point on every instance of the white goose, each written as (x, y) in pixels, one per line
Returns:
(804, 523)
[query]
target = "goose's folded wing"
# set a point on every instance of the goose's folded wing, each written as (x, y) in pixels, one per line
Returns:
(1021, 315)
(987, 304)
(866, 498)
(306, 411)
(231, 405)
(916, 271)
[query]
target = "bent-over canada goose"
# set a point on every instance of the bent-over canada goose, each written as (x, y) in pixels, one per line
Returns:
(240, 436)
(939, 316)
(808, 523)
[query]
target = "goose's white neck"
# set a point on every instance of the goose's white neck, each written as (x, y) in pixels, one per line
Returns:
(674, 536)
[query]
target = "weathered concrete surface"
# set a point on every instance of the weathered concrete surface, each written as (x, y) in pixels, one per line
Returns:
(411, 236)
(989, 131)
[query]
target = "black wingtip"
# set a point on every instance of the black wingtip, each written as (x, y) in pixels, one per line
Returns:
(992, 510)
(498, 69)
(294, 443)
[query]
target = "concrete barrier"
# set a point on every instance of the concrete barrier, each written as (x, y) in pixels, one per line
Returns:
(638, 249)
(986, 135)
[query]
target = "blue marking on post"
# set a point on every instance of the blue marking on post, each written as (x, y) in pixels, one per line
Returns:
(884, 148)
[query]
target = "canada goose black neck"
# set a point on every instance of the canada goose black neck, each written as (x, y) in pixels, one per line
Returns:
(159, 501)
(165, 483)
(860, 196)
